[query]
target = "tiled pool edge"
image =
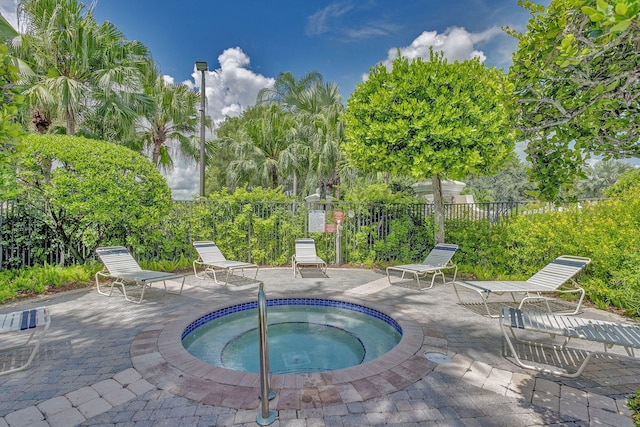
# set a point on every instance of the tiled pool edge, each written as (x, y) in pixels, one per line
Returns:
(157, 354)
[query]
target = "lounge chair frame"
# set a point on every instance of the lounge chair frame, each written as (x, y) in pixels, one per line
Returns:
(305, 255)
(609, 334)
(540, 286)
(436, 263)
(124, 269)
(27, 328)
(210, 257)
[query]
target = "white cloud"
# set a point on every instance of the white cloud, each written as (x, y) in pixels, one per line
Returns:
(233, 87)
(456, 43)
(184, 180)
(319, 22)
(230, 90)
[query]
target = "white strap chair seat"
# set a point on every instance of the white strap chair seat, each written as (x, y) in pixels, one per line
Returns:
(22, 329)
(515, 321)
(438, 261)
(124, 269)
(211, 258)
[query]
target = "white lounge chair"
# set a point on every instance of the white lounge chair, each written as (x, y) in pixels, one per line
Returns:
(120, 266)
(22, 329)
(305, 255)
(438, 260)
(538, 287)
(609, 334)
(211, 258)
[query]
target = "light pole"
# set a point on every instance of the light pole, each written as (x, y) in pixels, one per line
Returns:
(202, 67)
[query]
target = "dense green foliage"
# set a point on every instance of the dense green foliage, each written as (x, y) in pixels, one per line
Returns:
(41, 279)
(90, 188)
(424, 118)
(73, 69)
(84, 78)
(577, 77)
(627, 184)
(10, 130)
(430, 119)
(391, 232)
(634, 405)
(291, 139)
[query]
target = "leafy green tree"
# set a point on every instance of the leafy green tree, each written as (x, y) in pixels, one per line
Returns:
(430, 119)
(577, 76)
(325, 113)
(89, 188)
(10, 129)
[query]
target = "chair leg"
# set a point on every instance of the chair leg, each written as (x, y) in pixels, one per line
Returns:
(100, 291)
(195, 272)
(554, 370)
(215, 277)
(174, 292)
(126, 297)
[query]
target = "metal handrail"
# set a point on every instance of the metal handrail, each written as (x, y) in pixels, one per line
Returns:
(265, 416)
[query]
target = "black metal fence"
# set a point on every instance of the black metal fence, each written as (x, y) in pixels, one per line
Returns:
(263, 232)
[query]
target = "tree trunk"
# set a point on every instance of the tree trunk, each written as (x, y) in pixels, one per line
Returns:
(275, 180)
(295, 185)
(438, 209)
(71, 123)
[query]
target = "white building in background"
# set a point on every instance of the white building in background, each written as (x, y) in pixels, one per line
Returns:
(450, 191)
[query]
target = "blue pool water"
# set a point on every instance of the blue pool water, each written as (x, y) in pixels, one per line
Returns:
(304, 335)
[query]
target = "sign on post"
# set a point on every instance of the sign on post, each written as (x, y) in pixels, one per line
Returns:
(316, 221)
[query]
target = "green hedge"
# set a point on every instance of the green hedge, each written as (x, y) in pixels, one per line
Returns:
(608, 232)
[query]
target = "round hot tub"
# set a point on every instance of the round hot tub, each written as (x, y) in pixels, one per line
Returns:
(159, 356)
(304, 335)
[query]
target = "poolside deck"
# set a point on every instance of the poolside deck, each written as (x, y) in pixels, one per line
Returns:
(108, 362)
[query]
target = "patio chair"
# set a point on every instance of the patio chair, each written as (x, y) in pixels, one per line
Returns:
(438, 260)
(306, 256)
(21, 330)
(514, 322)
(540, 286)
(211, 258)
(123, 268)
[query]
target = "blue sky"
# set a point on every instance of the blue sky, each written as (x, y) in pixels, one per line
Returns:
(339, 39)
(247, 43)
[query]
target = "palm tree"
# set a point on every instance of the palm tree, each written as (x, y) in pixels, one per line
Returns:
(599, 176)
(318, 108)
(324, 103)
(287, 91)
(70, 65)
(172, 115)
(263, 148)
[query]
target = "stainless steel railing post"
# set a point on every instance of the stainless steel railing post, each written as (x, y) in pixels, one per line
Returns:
(265, 416)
